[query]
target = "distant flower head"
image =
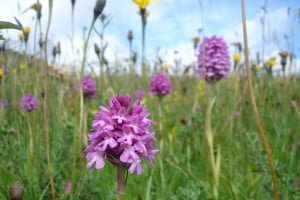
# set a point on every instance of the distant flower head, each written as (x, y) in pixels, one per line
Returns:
(3, 103)
(89, 87)
(139, 94)
(213, 59)
(283, 58)
(68, 188)
(143, 3)
(271, 62)
(98, 9)
(236, 58)
(256, 68)
(26, 32)
(23, 66)
(121, 133)
(6, 70)
(37, 7)
(28, 102)
(160, 84)
(166, 67)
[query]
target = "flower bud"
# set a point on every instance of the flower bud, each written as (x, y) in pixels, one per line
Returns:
(73, 2)
(100, 4)
(54, 52)
(130, 36)
(37, 7)
(97, 49)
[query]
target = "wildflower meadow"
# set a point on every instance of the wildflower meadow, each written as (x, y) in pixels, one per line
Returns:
(149, 100)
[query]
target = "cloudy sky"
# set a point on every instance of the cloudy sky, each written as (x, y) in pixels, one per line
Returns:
(171, 25)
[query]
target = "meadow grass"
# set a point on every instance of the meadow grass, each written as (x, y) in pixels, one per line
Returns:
(182, 169)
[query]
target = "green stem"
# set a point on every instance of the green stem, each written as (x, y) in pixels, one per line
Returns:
(121, 177)
(30, 138)
(81, 115)
(143, 17)
(85, 48)
(210, 141)
(161, 146)
(46, 110)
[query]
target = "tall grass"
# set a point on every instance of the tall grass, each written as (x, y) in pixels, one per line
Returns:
(244, 167)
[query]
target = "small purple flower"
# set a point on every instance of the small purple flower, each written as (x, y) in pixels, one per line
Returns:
(5, 70)
(213, 59)
(3, 103)
(139, 94)
(89, 87)
(68, 188)
(122, 135)
(160, 84)
(28, 102)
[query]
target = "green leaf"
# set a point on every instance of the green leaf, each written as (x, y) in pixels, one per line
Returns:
(8, 25)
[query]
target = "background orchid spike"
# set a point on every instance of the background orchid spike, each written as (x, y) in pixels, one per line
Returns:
(213, 59)
(28, 102)
(143, 3)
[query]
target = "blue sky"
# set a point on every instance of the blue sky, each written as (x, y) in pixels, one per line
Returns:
(171, 25)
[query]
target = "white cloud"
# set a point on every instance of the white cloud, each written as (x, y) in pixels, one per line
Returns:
(170, 26)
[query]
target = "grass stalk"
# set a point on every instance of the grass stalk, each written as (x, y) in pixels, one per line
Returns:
(46, 110)
(258, 119)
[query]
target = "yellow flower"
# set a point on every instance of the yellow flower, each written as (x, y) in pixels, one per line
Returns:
(256, 68)
(236, 58)
(271, 62)
(142, 3)
(26, 31)
(37, 7)
(166, 67)
(64, 71)
(196, 40)
(23, 66)
(1, 73)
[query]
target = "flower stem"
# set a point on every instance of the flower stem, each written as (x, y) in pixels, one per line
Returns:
(210, 141)
(82, 116)
(46, 109)
(161, 146)
(258, 119)
(121, 172)
(144, 22)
